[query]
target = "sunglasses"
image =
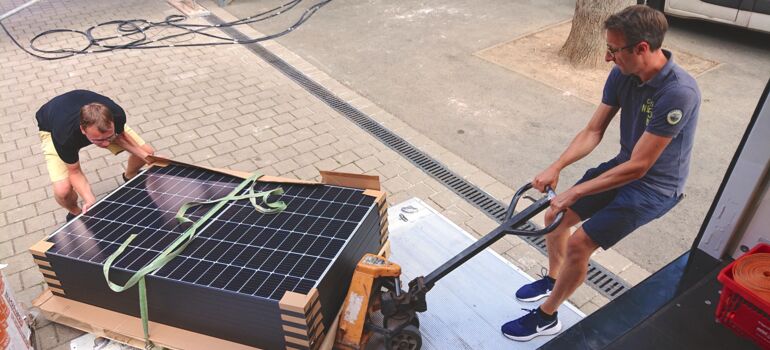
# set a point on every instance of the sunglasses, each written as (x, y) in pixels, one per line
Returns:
(107, 139)
(612, 51)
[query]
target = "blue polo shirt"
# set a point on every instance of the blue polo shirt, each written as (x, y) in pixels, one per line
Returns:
(666, 105)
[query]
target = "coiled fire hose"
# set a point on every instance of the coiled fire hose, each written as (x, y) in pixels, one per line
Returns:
(753, 273)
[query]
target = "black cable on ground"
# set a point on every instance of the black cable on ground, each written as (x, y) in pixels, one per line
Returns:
(134, 33)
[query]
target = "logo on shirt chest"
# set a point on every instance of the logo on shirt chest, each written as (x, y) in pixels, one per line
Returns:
(647, 110)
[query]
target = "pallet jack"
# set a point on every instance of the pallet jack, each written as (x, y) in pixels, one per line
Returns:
(376, 286)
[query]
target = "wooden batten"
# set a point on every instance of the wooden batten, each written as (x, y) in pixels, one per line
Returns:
(297, 326)
(385, 250)
(48, 273)
(296, 343)
(38, 251)
(383, 210)
(289, 319)
(298, 336)
(42, 263)
(384, 224)
(56, 291)
(364, 182)
(382, 203)
(298, 303)
(383, 220)
(40, 248)
(301, 319)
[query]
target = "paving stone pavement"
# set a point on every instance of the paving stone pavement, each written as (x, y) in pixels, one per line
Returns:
(218, 106)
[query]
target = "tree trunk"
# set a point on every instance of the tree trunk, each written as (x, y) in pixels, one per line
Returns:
(586, 46)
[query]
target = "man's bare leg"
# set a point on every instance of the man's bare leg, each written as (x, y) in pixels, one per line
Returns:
(66, 196)
(573, 272)
(135, 163)
(556, 241)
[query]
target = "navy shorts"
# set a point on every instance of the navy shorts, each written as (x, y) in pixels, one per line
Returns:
(611, 215)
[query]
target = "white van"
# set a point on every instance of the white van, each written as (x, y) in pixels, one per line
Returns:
(752, 14)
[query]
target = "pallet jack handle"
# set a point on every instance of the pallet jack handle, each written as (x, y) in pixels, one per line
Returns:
(422, 285)
(400, 325)
(550, 194)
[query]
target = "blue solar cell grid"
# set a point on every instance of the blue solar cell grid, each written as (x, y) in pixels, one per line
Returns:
(239, 249)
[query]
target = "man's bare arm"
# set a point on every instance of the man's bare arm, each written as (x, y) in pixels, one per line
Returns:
(583, 143)
(646, 152)
(129, 144)
(79, 182)
(588, 138)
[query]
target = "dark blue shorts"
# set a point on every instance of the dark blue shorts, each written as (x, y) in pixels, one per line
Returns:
(611, 215)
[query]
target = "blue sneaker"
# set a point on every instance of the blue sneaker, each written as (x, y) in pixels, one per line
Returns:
(531, 325)
(536, 290)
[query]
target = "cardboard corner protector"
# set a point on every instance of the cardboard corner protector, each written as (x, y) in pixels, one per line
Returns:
(379, 196)
(364, 182)
(158, 161)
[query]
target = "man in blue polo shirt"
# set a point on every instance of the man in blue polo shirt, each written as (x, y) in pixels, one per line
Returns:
(658, 103)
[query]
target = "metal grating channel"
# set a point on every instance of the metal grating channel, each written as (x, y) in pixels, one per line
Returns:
(604, 281)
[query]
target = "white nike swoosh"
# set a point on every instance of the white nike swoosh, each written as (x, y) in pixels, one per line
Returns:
(540, 329)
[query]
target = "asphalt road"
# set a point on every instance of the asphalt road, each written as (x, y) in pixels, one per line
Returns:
(415, 60)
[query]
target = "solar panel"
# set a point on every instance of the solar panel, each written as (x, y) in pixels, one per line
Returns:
(241, 262)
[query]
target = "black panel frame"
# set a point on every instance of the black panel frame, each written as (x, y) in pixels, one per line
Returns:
(246, 319)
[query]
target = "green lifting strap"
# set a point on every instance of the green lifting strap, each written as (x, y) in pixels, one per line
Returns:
(179, 245)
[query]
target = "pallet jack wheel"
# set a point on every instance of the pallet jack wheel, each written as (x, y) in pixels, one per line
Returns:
(408, 339)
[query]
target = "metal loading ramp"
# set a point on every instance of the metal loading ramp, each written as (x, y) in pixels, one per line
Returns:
(468, 306)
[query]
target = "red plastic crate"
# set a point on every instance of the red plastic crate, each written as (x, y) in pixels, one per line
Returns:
(740, 309)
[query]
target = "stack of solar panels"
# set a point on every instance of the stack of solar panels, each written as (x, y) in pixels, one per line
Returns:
(269, 281)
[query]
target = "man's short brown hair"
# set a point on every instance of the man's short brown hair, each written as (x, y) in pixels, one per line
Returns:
(639, 23)
(96, 114)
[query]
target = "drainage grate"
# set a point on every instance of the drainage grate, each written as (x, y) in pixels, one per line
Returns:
(601, 279)
(605, 282)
